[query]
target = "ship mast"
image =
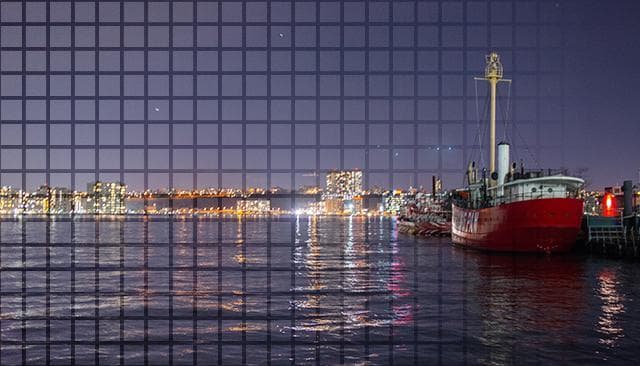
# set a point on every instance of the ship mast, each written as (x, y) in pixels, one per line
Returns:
(493, 74)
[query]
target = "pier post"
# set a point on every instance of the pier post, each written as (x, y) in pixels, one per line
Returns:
(627, 188)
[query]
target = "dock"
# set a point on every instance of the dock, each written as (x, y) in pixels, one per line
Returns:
(613, 236)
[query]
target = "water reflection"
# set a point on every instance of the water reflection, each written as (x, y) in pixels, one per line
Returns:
(339, 279)
(342, 288)
(530, 295)
(609, 324)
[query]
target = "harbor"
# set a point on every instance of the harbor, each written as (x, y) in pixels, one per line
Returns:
(319, 182)
(334, 287)
(610, 223)
(615, 231)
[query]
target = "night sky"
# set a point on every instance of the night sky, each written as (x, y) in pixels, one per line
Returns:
(215, 94)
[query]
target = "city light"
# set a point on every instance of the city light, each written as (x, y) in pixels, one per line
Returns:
(343, 195)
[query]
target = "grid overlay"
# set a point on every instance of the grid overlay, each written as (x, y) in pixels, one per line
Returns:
(199, 94)
(160, 100)
(158, 291)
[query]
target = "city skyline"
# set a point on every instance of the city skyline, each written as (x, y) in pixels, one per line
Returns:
(341, 194)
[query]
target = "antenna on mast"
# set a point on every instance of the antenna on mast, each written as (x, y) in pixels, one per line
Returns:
(493, 73)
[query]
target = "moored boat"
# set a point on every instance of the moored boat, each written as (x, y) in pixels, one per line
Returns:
(426, 215)
(515, 211)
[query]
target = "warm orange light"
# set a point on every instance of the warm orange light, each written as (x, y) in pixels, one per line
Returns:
(609, 205)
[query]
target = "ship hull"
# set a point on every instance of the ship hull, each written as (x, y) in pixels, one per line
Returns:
(549, 225)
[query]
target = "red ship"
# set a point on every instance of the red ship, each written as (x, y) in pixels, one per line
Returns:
(513, 210)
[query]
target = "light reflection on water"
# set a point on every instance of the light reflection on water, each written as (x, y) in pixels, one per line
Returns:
(609, 324)
(339, 289)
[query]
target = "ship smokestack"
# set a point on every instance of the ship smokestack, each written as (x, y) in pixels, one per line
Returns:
(503, 165)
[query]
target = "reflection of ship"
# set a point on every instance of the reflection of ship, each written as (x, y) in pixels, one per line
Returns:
(546, 291)
(518, 298)
(514, 211)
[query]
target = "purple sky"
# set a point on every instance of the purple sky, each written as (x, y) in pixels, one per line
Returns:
(223, 96)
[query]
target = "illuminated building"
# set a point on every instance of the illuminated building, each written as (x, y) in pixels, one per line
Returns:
(333, 206)
(436, 185)
(10, 200)
(36, 202)
(312, 208)
(343, 192)
(309, 190)
(82, 203)
(394, 201)
(592, 204)
(344, 185)
(253, 206)
(353, 206)
(60, 200)
(107, 197)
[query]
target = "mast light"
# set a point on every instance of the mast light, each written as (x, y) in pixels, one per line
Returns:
(493, 70)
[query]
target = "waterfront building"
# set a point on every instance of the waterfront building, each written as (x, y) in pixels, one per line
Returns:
(343, 184)
(36, 202)
(592, 203)
(60, 200)
(10, 200)
(107, 198)
(333, 206)
(354, 205)
(82, 203)
(394, 201)
(253, 206)
(309, 190)
(45, 200)
(343, 192)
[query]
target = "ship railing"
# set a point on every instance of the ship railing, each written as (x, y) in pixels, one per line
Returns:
(535, 173)
(489, 202)
(530, 196)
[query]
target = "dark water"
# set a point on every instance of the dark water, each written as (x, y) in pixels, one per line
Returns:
(299, 290)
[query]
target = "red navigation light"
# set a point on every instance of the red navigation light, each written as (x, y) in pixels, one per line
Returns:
(609, 205)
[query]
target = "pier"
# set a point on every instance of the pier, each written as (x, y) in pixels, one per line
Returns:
(613, 236)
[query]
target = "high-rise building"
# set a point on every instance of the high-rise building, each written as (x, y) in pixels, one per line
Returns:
(343, 184)
(343, 188)
(60, 200)
(107, 197)
(253, 206)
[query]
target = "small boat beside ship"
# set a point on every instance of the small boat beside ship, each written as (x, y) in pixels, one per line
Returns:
(427, 214)
(425, 223)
